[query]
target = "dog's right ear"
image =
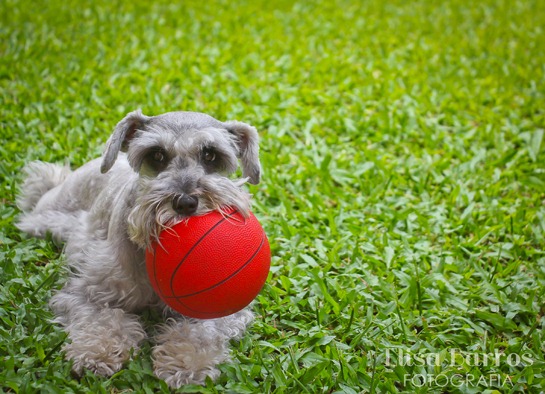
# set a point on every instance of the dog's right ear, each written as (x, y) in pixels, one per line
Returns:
(119, 140)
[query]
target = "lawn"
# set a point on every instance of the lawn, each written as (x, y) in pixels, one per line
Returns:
(403, 187)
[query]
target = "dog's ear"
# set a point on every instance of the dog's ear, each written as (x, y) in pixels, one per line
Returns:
(119, 140)
(248, 144)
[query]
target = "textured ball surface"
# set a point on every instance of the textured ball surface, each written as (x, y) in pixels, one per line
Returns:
(210, 266)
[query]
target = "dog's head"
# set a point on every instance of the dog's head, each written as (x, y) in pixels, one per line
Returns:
(184, 160)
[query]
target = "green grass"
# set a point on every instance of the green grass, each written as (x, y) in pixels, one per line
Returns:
(403, 189)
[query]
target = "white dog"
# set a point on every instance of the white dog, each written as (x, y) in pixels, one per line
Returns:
(108, 211)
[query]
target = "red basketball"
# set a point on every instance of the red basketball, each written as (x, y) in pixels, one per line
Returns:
(210, 266)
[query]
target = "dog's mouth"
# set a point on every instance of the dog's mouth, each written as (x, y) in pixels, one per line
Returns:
(156, 211)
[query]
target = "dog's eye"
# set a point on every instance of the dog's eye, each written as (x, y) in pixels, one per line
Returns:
(209, 155)
(157, 159)
(158, 156)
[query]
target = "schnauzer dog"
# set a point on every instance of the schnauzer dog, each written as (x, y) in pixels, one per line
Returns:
(155, 171)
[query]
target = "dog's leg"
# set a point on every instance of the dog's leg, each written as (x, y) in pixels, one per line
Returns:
(95, 306)
(58, 224)
(189, 350)
(101, 339)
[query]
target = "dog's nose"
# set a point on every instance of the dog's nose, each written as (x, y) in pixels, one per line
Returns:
(184, 204)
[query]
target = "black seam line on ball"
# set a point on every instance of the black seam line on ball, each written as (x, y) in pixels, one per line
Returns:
(226, 279)
(194, 246)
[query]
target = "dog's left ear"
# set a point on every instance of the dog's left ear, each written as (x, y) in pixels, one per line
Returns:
(248, 144)
(119, 140)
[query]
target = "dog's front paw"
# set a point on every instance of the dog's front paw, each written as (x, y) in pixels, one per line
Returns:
(98, 360)
(176, 378)
(187, 353)
(180, 363)
(102, 341)
(100, 368)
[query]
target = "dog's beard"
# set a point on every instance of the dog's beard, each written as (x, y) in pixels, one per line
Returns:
(218, 193)
(153, 212)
